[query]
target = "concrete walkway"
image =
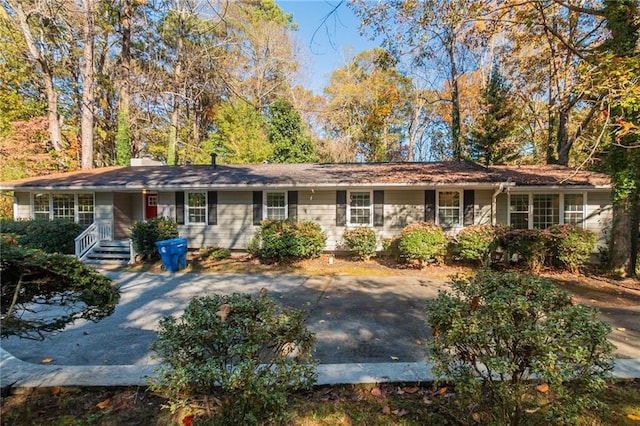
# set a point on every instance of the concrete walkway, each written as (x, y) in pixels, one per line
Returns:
(368, 330)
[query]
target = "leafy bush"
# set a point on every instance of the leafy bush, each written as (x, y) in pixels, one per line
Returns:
(572, 246)
(286, 240)
(476, 243)
(362, 241)
(391, 247)
(51, 236)
(30, 275)
(236, 356)
(215, 253)
(531, 245)
(424, 242)
(145, 233)
(517, 350)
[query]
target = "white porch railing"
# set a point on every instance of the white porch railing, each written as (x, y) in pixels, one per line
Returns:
(101, 230)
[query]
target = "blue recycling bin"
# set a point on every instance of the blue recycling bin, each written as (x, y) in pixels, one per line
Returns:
(173, 253)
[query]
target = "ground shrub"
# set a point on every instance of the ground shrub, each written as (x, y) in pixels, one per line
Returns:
(517, 350)
(361, 241)
(424, 242)
(145, 233)
(476, 243)
(215, 253)
(29, 276)
(391, 248)
(531, 246)
(572, 246)
(51, 236)
(278, 240)
(234, 359)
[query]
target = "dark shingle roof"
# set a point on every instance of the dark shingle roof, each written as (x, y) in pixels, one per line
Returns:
(308, 175)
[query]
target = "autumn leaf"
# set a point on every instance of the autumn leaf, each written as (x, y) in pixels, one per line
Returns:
(543, 388)
(263, 292)
(104, 404)
(474, 303)
(224, 312)
(411, 390)
(386, 410)
(475, 417)
(188, 420)
(47, 360)
(376, 392)
(55, 390)
(633, 417)
(401, 412)
(442, 391)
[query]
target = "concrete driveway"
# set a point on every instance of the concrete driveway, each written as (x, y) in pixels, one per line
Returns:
(355, 319)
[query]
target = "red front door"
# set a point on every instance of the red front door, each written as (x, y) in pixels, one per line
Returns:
(150, 205)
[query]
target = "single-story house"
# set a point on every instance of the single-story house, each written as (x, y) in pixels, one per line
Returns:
(222, 205)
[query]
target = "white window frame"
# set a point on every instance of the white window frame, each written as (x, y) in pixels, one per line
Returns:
(370, 207)
(34, 213)
(265, 205)
(460, 208)
(50, 212)
(188, 208)
(93, 207)
(562, 212)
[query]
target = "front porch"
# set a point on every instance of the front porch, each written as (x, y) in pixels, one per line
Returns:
(97, 245)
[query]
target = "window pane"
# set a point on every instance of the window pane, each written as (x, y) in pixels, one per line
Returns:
(546, 210)
(85, 209)
(276, 206)
(573, 209)
(41, 206)
(360, 208)
(448, 208)
(519, 211)
(197, 205)
(63, 206)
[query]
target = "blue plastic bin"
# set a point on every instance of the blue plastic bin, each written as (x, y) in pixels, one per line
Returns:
(173, 253)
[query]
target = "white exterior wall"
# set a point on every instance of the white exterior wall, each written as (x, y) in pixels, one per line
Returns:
(482, 207)
(22, 206)
(103, 206)
(599, 214)
(320, 207)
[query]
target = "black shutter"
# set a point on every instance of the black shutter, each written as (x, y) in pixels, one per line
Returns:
(430, 205)
(257, 207)
(378, 208)
(212, 203)
(468, 206)
(292, 199)
(180, 208)
(341, 208)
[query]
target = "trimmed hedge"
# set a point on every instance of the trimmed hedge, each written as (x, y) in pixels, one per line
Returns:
(424, 242)
(278, 240)
(145, 233)
(362, 241)
(51, 236)
(476, 243)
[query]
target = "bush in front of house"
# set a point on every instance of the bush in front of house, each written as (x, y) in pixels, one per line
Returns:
(571, 246)
(531, 246)
(391, 248)
(476, 243)
(51, 236)
(361, 241)
(145, 233)
(279, 240)
(234, 359)
(215, 253)
(517, 350)
(424, 242)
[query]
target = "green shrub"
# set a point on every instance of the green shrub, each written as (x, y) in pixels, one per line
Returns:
(572, 246)
(517, 350)
(236, 356)
(531, 245)
(362, 241)
(476, 243)
(424, 242)
(286, 240)
(391, 247)
(30, 275)
(51, 236)
(145, 233)
(215, 253)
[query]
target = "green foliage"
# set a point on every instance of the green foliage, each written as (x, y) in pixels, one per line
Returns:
(51, 236)
(498, 336)
(288, 135)
(145, 233)
(280, 240)
(572, 246)
(237, 356)
(123, 139)
(362, 241)
(531, 246)
(476, 243)
(391, 247)
(216, 253)
(31, 277)
(424, 242)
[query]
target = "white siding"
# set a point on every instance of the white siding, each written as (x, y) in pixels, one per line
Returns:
(103, 206)
(599, 215)
(502, 209)
(166, 204)
(482, 207)
(23, 206)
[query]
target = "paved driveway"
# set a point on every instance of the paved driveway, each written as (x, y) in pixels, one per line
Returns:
(355, 319)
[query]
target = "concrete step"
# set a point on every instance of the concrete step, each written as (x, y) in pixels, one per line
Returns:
(95, 255)
(115, 243)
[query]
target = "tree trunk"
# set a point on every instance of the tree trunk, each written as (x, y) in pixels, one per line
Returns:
(124, 146)
(87, 86)
(563, 146)
(455, 104)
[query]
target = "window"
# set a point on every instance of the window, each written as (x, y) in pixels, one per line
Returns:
(448, 208)
(41, 206)
(573, 209)
(519, 211)
(85, 209)
(546, 210)
(359, 210)
(63, 206)
(276, 207)
(196, 207)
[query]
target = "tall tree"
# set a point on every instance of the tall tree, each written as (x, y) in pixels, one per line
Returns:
(124, 146)
(88, 94)
(288, 135)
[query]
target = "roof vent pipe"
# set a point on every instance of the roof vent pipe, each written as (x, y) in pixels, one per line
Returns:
(213, 159)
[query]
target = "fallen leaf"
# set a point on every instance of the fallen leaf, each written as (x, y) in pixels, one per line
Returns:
(224, 312)
(263, 292)
(104, 404)
(621, 329)
(386, 410)
(543, 388)
(401, 412)
(187, 420)
(55, 390)
(394, 358)
(47, 360)
(419, 342)
(531, 410)
(474, 303)
(442, 391)
(435, 332)
(475, 417)
(376, 392)
(633, 417)
(411, 390)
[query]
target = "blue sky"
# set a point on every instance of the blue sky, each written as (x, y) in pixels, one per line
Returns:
(325, 46)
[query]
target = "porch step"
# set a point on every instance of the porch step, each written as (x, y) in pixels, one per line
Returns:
(109, 252)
